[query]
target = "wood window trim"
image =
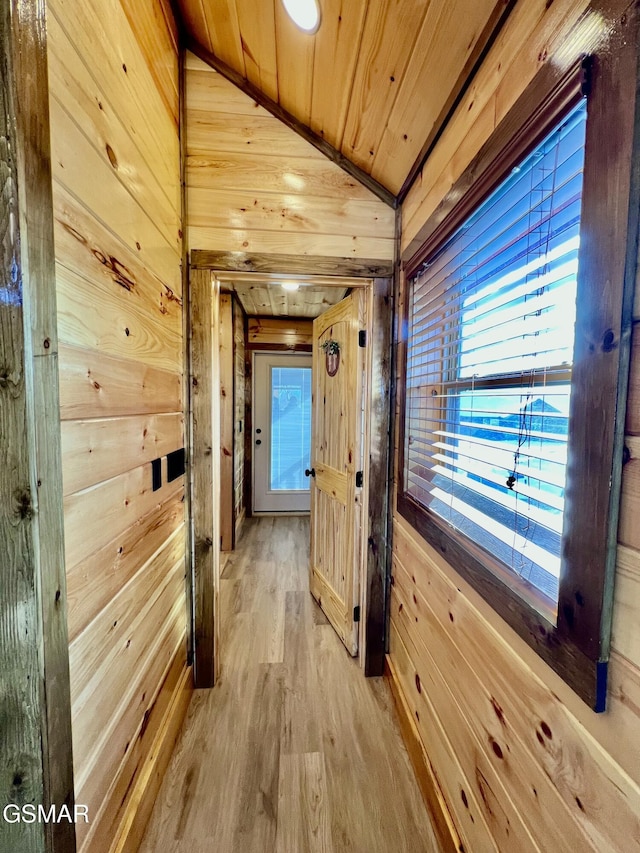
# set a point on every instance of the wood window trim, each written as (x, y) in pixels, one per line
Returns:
(577, 648)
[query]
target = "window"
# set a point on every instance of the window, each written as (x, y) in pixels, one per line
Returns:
(492, 318)
(290, 428)
(514, 376)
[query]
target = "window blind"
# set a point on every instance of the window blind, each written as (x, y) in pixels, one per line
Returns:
(489, 354)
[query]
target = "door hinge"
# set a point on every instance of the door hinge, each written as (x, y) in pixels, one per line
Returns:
(362, 338)
(359, 479)
(356, 613)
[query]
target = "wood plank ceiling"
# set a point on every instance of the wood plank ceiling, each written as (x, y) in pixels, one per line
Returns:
(269, 299)
(376, 81)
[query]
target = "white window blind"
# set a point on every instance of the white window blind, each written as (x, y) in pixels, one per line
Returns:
(489, 353)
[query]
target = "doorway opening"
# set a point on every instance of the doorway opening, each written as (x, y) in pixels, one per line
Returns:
(308, 434)
(342, 324)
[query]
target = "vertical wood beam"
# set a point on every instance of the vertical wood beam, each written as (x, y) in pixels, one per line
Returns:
(205, 470)
(248, 423)
(392, 469)
(378, 543)
(227, 421)
(186, 342)
(35, 734)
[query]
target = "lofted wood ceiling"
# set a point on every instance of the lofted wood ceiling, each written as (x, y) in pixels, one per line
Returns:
(266, 298)
(375, 82)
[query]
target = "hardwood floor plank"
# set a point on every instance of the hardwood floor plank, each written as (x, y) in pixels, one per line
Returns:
(293, 751)
(303, 820)
(301, 730)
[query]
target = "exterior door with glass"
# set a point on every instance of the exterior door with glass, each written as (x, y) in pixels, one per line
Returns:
(281, 432)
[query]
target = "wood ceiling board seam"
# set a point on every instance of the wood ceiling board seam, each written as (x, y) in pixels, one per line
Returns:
(276, 110)
(448, 40)
(333, 39)
(270, 300)
(258, 41)
(489, 37)
(172, 22)
(380, 71)
(164, 70)
(224, 32)
(295, 52)
(272, 304)
(251, 307)
(532, 24)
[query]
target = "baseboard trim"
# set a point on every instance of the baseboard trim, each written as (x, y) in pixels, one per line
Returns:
(148, 781)
(441, 820)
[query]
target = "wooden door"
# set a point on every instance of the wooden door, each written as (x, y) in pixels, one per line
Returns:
(336, 459)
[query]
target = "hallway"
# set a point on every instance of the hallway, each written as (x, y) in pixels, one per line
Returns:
(293, 750)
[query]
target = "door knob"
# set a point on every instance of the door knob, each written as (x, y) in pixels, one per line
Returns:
(309, 473)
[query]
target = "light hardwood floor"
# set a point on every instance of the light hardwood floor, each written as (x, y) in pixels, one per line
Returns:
(293, 751)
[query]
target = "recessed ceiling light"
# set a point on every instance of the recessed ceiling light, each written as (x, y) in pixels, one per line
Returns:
(305, 14)
(290, 285)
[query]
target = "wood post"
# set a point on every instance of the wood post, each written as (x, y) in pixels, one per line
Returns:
(205, 470)
(227, 420)
(379, 538)
(35, 734)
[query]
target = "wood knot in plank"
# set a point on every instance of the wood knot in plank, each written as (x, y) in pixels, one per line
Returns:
(74, 233)
(120, 273)
(9, 379)
(498, 710)
(24, 507)
(609, 342)
(111, 154)
(170, 296)
(496, 748)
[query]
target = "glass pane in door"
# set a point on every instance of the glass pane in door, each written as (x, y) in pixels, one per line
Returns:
(290, 428)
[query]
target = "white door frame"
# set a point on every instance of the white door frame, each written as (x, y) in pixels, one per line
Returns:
(264, 501)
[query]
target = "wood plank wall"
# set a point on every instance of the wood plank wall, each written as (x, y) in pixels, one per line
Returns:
(523, 764)
(254, 185)
(294, 334)
(113, 68)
